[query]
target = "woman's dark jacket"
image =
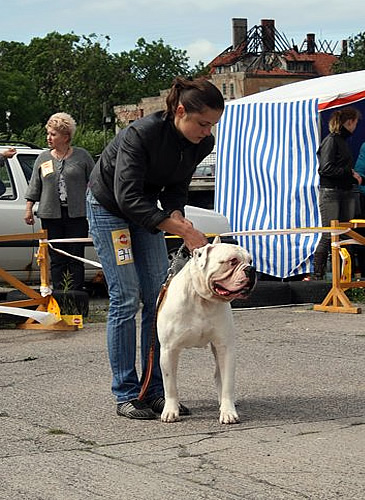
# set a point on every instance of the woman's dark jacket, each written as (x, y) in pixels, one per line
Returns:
(336, 161)
(147, 162)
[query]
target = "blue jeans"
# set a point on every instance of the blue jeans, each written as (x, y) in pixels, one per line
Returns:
(129, 283)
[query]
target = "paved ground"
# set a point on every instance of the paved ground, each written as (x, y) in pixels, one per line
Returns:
(301, 397)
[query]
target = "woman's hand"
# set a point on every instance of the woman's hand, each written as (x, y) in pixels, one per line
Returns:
(29, 217)
(357, 177)
(179, 225)
(9, 153)
(195, 239)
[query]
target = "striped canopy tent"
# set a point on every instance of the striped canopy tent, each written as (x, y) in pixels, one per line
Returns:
(266, 175)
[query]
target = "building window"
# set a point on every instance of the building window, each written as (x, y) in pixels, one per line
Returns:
(231, 88)
(224, 89)
(300, 66)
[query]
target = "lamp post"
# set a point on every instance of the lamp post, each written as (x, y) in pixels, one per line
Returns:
(107, 121)
(7, 121)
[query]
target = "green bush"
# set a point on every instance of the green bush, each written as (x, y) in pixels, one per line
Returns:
(35, 134)
(91, 140)
(356, 294)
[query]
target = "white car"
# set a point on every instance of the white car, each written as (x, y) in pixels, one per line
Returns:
(18, 258)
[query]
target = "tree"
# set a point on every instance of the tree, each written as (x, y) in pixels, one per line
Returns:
(18, 99)
(92, 81)
(200, 69)
(12, 56)
(153, 67)
(78, 75)
(354, 60)
(50, 64)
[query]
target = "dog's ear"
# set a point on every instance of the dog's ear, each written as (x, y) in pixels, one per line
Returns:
(216, 240)
(200, 255)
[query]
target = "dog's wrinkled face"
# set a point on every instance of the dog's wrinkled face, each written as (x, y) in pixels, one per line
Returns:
(223, 271)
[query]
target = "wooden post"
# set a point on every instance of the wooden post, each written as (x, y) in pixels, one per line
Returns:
(336, 299)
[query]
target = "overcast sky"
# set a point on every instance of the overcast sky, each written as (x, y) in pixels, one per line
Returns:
(201, 27)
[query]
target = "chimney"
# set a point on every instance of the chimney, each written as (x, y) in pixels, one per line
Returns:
(268, 35)
(344, 48)
(311, 43)
(239, 31)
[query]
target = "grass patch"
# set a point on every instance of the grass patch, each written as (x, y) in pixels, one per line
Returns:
(356, 294)
(98, 313)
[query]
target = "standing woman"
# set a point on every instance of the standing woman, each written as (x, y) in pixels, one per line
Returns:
(138, 190)
(59, 180)
(337, 199)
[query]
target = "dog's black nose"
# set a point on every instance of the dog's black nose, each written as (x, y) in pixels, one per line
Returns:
(250, 272)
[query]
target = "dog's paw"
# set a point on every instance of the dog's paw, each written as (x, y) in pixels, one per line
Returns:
(228, 417)
(170, 414)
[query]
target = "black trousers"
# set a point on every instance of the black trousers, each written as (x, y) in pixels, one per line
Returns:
(334, 204)
(360, 249)
(61, 265)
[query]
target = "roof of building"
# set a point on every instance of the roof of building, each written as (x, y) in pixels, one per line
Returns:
(251, 51)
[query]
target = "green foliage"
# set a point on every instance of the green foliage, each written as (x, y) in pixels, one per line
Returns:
(18, 95)
(200, 70)
(356, 294)
(35, 134)
(78, 75)
(154, 65)
(93, 141)
(355, 59)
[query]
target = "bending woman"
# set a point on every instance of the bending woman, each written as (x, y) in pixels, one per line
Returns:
(138, 190)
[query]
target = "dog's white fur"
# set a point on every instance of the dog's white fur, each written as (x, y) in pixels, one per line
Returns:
(195, 312)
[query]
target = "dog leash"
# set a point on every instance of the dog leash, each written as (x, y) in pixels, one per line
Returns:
(170, 274)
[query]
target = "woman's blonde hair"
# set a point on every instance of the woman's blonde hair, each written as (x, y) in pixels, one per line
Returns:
(63, 123)
(339, 117)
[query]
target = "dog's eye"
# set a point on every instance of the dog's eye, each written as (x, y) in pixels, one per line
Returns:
(234, 262)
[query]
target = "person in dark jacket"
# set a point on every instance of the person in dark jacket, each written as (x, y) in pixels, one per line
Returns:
(137, 191)
(359, 250)
(360, 169)
(59, 180)
(337, 199)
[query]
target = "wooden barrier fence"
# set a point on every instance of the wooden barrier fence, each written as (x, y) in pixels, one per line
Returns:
(336, 299)
(35, 298)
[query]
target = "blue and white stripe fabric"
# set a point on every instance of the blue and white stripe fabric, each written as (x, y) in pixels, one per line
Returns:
(267, 178)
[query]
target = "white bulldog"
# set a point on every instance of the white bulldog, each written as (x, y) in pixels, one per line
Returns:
(196, 311)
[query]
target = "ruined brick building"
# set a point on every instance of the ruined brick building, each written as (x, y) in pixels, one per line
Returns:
(260, 58)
